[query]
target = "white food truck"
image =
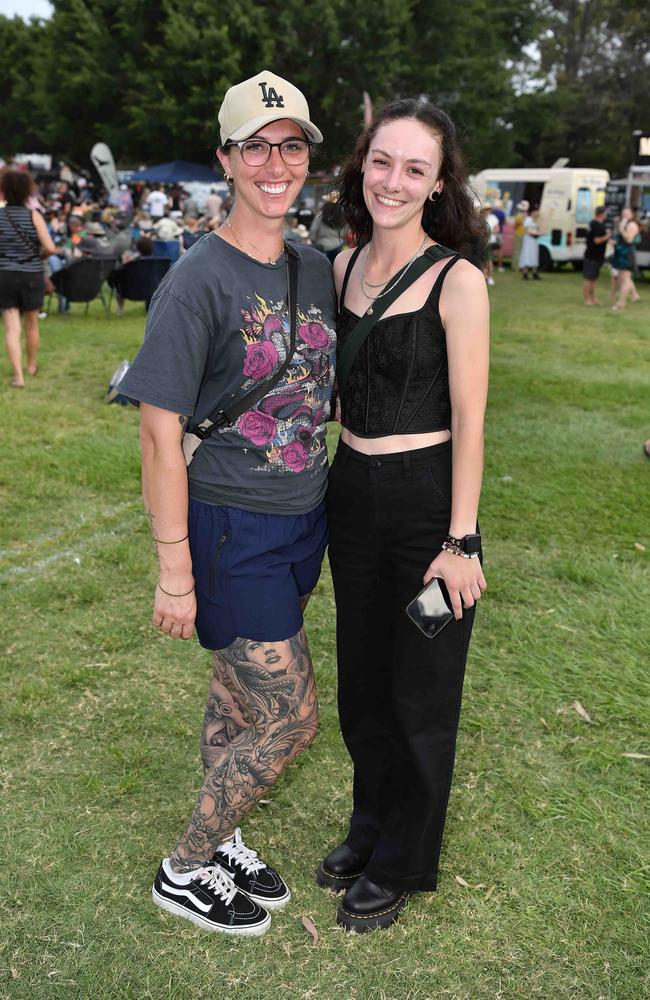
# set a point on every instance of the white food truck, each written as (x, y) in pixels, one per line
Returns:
(567, 198)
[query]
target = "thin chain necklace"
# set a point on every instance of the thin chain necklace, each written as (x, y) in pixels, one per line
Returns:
(390, 282)
(269, 260)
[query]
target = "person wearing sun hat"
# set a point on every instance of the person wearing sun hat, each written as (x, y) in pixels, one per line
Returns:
(241, 534)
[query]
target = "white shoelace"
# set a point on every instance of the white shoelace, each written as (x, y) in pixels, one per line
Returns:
(218, 882)
(242, 855)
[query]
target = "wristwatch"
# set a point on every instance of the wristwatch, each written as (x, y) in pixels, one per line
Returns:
(469, 545)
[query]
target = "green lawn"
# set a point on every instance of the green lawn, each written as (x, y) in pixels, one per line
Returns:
(544, 882)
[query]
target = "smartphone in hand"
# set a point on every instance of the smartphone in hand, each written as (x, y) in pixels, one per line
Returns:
(431, 609)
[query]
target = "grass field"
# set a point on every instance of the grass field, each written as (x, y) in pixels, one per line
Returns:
(544, 881)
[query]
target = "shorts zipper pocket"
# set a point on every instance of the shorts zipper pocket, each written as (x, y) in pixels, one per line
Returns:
(215, 561)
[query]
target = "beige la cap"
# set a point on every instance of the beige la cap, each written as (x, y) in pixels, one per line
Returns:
(265, 98)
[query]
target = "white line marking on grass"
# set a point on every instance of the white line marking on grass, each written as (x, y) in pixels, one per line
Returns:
(84, 520)
(73, 554)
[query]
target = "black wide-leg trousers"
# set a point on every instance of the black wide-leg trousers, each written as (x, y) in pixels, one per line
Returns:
(399, 692)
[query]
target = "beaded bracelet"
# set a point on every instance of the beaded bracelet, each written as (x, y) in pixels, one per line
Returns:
(160, 541)
(457, 551)
(175, 595)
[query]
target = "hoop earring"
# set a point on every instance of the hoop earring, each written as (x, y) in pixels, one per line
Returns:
(227, 178)
(434, 196)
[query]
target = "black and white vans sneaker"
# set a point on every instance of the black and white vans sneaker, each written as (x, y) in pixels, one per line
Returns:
(209, 898)
(249, 873)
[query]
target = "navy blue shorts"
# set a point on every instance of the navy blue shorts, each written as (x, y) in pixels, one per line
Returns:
(251, 571)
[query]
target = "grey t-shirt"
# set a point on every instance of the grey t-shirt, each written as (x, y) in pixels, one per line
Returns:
(217, 326)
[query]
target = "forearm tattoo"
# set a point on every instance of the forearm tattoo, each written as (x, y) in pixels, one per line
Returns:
(149, 514)
(262, 712)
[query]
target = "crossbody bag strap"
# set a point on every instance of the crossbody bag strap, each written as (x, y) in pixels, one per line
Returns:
(360, 333)
(227, 415)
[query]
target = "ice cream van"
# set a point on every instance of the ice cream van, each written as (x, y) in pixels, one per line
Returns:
(567, 199)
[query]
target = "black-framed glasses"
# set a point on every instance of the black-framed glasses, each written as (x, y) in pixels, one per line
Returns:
(255, 152)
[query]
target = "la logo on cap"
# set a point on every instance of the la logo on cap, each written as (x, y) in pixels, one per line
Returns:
(264, 98)
(271, 97)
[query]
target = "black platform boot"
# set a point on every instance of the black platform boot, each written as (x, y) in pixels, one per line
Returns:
(369, 907)
(341, 868)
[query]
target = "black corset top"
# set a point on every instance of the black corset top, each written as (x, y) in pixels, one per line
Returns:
(399, 380)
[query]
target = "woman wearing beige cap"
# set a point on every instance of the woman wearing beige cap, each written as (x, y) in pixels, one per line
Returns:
(240, 342)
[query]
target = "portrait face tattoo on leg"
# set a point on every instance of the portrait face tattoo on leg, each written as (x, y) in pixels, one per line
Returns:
(262, 712)
(275, 656)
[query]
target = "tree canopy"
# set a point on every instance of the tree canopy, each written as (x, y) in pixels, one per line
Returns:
(525, 82)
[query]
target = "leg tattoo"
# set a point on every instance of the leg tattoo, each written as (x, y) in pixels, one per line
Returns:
(262, 712)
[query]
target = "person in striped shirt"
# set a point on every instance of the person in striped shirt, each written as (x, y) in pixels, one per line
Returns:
(24, 239)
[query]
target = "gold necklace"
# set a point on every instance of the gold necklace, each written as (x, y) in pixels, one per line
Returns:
(269, 260)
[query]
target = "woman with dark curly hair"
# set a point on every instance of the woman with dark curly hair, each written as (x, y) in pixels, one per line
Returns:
(23, 239)
(403, 497)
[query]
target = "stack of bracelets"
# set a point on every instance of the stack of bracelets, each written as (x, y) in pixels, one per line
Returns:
(467, 547)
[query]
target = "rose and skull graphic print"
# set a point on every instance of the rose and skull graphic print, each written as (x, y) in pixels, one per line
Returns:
(287, 426)
(218, 326)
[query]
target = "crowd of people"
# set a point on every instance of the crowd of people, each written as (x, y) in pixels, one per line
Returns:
(84, 219)
(69, 217)
(125, 224)
(615, 237)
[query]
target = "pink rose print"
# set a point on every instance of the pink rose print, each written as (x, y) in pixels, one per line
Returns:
(315, 335)
(295, 456)
(272, 324)
(260, 359)
(257, 427)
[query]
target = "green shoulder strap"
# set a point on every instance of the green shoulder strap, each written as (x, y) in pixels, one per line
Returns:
(359, 334)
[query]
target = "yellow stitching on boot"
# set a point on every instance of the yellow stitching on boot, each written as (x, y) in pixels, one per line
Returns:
(371, 916)
(332, 875)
